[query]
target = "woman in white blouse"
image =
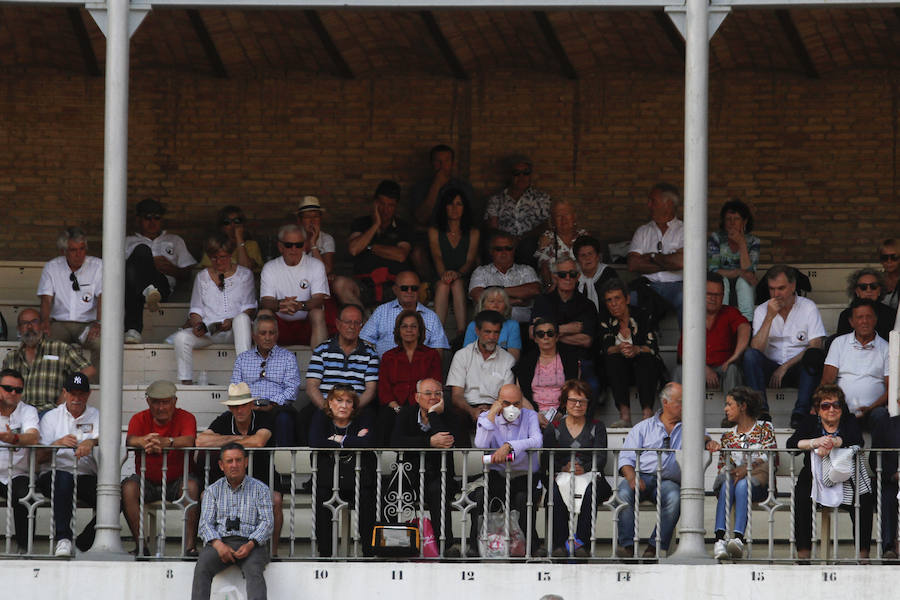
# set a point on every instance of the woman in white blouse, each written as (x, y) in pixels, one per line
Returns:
(222, 305)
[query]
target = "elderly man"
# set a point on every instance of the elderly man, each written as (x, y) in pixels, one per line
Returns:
(294, 286)
(151, 432)
(379, 329)
(511, 429)
(520, 209)
(319, 245)
(727, 336)
(786, 346)
(886, 434)
(479, 370)
(594, 272)
(44, 363)
(868, 283)
(252, 429)
(859, 363)
(236, 523)
(70, 289)
(657, 248)
(76, 426)
(273, 377)
(521, 282)
(18, 427)
(155, 259)
(379, 244)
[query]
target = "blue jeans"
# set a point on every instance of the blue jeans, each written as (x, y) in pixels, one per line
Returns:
(746, 297)
(758, 369)
(671, 292)
(738, 497)
(63, 502)
(669, 511)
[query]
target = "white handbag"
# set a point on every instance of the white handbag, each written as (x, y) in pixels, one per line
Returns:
(565, 482)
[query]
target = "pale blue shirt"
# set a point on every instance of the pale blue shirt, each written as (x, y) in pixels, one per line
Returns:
(651, 433)
(379, 329)
(522, 434)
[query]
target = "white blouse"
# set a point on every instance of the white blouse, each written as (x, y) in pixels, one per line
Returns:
(215, 305)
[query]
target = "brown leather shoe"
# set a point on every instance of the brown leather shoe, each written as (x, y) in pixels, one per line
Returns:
(649, 552)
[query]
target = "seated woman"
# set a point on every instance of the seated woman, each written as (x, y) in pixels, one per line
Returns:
(231, 221)
(557, 241)
(223, 303)
(868, 283)
(734, 254)
(572, 429)
(742, 406)
(630, 350)
(341, 425)
(542, 371)
(833, 426)
(454, 250)
(495, 298)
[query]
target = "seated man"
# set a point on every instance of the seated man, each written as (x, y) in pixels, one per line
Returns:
(20, 428)
(273, 377)
(657, 249)
(478, 370)
(251, 430)
(319, 245)
(520, 210)
(150, 431)
(594, 272)
(868, 283)
(379, 329)
(727, 336)
(154, 261)
(512, 429)
(521, 282)
(379, 244)
(44, 363)
(786, 346)
(886, 434)
(236, 523)
(70, 290)
(859, 363)
(294, 286)
(76, 426)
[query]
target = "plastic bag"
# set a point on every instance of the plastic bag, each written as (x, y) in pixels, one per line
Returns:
(426, 535)
(841, 464)
(494, 544)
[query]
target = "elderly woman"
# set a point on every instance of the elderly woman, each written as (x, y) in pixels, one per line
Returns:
(557, 241)
(742, 407)
(222, 305)
(231, 221)
(341, 425)
(572, 429)
(496, 298)
(868, 283)
(543, 370)
(734, 254)
(833, 426)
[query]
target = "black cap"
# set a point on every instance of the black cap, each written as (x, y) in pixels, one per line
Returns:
(77, 382)
(149, 206)
(388, 189)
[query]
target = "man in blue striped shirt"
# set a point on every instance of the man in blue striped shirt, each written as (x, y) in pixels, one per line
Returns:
(235, 522)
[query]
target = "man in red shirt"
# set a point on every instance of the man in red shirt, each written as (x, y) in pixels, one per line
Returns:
(151, 432)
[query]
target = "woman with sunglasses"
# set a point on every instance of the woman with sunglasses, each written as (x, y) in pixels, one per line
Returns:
(223, 303)
(833, 426)
(868, 283)
(734, 254)
(889, 256)
(544, 369)
(573, 428)
(557, 241)
(231, 220)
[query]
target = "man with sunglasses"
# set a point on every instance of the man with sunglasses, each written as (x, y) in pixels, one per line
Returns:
(18, 427)
(868, 283)
(520, 209)
(155, 260)
(570, 310)
(70, 288)
(521, 282)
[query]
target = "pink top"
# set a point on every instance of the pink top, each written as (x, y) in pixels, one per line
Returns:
(548, 380)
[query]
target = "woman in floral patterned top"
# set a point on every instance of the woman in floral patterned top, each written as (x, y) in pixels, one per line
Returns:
(734, 254)
(742, 406)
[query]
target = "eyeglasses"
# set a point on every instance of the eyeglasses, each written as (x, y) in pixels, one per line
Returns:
(235, 220)
(262, 370)
(12, 389)
(517, 172)
(887, 257)
(293, 244)
(408, 288)
(351, 323)
(151, 217)
(867, 286)
(74, 280)
(667, 442)
(222, 281)
(502, 248)
(659, 246)
(829, 405)
(577, 401)
(540, 334)
(569, 274)
(433, 394)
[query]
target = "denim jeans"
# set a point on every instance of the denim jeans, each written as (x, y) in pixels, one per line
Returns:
(670, 494)
(671, 292)
(758, 368)
(737, 498)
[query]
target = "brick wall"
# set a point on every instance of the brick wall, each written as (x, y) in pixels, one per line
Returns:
(816, 160)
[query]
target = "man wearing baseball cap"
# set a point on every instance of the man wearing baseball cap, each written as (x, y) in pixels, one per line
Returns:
(76, 426)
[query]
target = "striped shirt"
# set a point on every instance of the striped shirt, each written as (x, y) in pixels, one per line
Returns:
(44, 377)
(274, 378)
(251, 502)
(331, 366)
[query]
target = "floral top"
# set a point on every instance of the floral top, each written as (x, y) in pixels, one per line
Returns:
(638, 323)
(519, 216)
(720, 256)
(760, 436)
(551, 247)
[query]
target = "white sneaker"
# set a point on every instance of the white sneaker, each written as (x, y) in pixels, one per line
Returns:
(132, 336)
(152, 298)
(736, 548)
(720, 551)
(64, 548)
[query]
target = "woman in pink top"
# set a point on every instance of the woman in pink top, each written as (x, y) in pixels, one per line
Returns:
(542, 371)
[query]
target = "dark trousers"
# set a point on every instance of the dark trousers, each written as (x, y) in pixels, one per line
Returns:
(758, 369)
(889, 516)
(20, 511)
(642, 369)
(518, 500)
(284, 426)
(583, 523)
(433, 502)
(803, 514)
(63, 503)
(209, 563)
(366, 515)
(139, 273)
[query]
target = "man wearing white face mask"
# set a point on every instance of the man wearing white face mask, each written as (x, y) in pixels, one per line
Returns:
(512, 430)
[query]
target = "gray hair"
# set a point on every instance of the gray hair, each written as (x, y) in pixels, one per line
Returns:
(554, 266)
(855, 276)
(494, 290)
(421, 381)
(74, 234)
(290, 228)
(264, 318)
(665, 395)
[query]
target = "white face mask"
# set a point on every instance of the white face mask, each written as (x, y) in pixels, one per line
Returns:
(511, 413)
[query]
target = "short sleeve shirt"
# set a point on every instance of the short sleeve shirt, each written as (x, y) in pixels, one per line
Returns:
(303, 280)
(182, 423)
(53, 361)
(224, 425)
(519, 216)
(331, 366)
(58, 423)
(69, 304)
(366, 261)
(22, 420)
(862, 368)
(788, 338)
(488, 275)
(165, 244)
(325, 243)
(648, 239)
(721, 339)
(480, 378)
(214, 305)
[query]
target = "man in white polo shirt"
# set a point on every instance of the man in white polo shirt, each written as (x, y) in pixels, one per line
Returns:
(70, 288)
(786, 347)
(18, 427)
(294, 286)
(76, 426)
(858, 363)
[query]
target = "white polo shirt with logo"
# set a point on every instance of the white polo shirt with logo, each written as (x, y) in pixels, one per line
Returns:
(303, 280)
(788, 338)
(862, 368)
(165, 244)
(69, 304)
(22, 420)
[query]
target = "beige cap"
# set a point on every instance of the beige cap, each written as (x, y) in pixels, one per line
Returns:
(161, 388)
(238, 394)
(309, 203)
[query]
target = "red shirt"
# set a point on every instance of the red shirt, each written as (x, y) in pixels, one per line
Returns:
(182, 423)
(721, 338)
(397, 376)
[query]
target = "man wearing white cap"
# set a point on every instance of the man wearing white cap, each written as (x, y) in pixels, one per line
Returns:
(252, 429)
(318, 243)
